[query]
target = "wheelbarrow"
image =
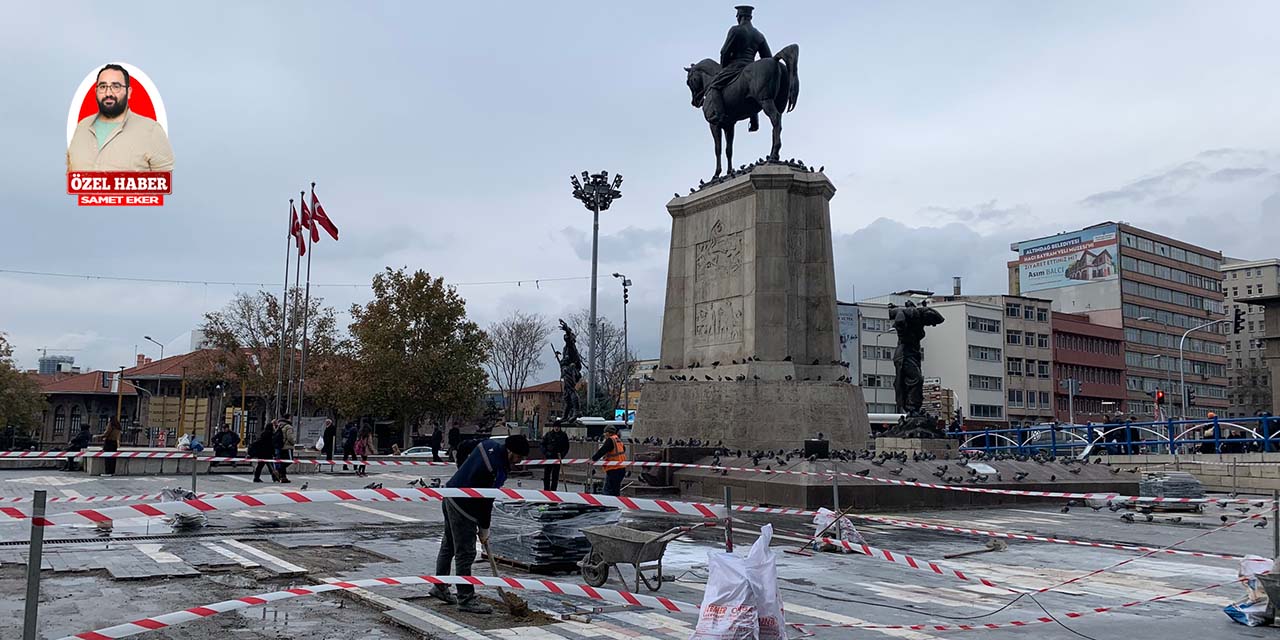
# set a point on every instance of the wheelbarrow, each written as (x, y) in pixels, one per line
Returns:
(612, 545)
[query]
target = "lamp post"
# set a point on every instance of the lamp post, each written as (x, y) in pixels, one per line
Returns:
(1182, 367)
(626, 354)
(596, 194)
(148, 339)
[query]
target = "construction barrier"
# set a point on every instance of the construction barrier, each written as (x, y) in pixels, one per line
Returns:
(240, 501)
(559, 588)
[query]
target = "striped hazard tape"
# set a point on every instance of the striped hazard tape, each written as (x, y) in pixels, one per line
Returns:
(175, 618)
(128, 498)
(240, 501)
(907, 560)
(1071, 615)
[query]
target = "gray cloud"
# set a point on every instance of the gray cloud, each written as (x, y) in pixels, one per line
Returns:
(631, 242)
(1160, 186)
(1231, 175)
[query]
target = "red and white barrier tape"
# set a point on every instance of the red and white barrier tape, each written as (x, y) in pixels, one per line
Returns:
(919, 565)
(1022, 536)
(1070, 615)
(559, 588)
(86, 499)
(240, 501)
(775, 510)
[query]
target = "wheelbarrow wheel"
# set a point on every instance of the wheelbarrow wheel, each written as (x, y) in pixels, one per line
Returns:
(595, 571)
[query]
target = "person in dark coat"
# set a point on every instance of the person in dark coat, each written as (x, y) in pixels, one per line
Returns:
(330, 434)
(435, 440)
(349, 435)
(468, 519)
(264, 446)
(79, 442)
(225, 442)
(455, 439)
(555, 445)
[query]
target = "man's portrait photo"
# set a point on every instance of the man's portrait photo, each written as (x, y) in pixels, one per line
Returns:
(118, 135)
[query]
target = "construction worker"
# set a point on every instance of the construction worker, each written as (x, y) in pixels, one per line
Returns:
(614, 454)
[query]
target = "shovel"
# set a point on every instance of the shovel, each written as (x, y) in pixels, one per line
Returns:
(515, 604)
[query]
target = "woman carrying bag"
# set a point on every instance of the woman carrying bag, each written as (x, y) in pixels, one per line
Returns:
(111, 442)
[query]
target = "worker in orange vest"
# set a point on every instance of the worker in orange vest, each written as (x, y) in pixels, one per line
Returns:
(614, 454)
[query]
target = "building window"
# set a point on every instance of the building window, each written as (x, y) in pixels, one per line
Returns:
(59, 421)
(1013, 310)
(1044, 399)
(1015, 398)
(1042, 369)
(1013, 366)
(986, 383)
(876, 352)
(76, 419)
(875, 324)
(986, 411)
(1013, 337)
(1042, 315)
(875, 381)
(985, 325)
(1029, 313)
(989, 354)
(1042, 341)
(1029, 339)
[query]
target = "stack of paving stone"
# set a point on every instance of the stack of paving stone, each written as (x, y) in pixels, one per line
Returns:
(1170, 484)
(544, 537)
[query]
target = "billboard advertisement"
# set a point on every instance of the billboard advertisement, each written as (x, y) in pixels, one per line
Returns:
(1088, 255)
(848, 317)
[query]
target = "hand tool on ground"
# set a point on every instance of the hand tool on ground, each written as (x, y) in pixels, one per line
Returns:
(994, 544)
(801, 550)
(515, 604)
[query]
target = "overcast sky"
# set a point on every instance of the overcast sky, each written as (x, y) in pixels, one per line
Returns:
(441, 136)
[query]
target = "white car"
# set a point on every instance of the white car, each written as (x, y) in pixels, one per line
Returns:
(418, 451)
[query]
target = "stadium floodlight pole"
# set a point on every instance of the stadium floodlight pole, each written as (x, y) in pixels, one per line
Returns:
(148, 339)
(596, 194)
(1182, 367)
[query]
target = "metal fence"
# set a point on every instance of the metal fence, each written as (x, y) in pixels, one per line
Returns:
(1215, 435)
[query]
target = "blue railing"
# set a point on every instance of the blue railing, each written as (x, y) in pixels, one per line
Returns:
(1210, 435)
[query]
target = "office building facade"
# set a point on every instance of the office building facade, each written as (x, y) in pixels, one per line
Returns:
(1248, 379)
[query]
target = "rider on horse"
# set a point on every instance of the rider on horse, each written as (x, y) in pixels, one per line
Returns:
(739, 50)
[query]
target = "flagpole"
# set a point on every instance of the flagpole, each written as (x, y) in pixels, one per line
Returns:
(297, 272)
(306, 306)
(284, 311)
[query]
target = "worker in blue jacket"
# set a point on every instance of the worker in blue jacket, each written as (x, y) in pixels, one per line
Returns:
(466, 519)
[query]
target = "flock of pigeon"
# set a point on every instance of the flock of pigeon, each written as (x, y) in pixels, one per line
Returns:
(746, 168)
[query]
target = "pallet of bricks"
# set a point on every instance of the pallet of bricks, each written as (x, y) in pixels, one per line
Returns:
(1170, 484)
(545, 538)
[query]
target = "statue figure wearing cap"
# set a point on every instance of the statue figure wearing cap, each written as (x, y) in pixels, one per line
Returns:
(741, 46)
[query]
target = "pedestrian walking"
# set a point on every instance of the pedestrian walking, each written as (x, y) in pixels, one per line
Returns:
(330, 434)
(264, 447)
(614, 454)
(364, 445)
(111, 443)
(468, 519)
(435, 441)
(555, 446)
(285, 440)
(349, 435)
(455, 439)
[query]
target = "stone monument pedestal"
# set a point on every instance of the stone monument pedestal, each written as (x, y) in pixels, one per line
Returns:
(750, 344)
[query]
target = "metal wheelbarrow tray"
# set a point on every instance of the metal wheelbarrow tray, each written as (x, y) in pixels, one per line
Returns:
(613, 545)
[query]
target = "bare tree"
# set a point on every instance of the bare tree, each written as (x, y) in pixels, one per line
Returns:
(515, 352)
(613, 363)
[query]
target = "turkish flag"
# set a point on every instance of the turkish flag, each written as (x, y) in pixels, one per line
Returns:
(296, 231)
(319, 217)
(308, 221)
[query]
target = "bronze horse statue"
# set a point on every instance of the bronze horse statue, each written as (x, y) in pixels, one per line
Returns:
(769, 84)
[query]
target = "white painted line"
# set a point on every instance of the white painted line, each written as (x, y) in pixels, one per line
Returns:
(288, 567)
(236, 477)
(71, 493)
(378, 512)
(1042, 513)
(153, 551)
(227, 553)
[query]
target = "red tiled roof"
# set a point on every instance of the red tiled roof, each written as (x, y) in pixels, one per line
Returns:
(84, 383)
(171, 366)
(546, 387)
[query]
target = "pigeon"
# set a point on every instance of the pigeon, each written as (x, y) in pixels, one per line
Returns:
(755, 377)
(896, 472)
(1260, 524)
(1150, 517)
(1223, 519)
(1175, 519)
(878, 462)
(1128, 517)
(709, 378)
(1096, 507)
(911, 479)
(715, 364)
(788, 378)
(1242, 509)
(373, 485)
(1076, 471)
(816, 361)
(1065, 509)
(304, 486)
(864, 473)
(787, 359)
(1052, 477)
(1258, 505)
(1019, 476)
(1115, 470)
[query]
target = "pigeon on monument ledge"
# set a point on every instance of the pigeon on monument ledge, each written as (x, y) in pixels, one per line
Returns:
(715, 364)
(864, 472)
(815, 361)
(787, 359)
(788, 378)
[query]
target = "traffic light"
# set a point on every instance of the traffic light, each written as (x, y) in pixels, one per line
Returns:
(1237, 322)
(1159, 396)
(624, 295)
(1191, 396)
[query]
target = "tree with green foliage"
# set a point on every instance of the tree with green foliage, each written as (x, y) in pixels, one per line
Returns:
(20, 399)
(415, 353)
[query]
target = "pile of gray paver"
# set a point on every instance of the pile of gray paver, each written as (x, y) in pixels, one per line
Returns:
(1170, 484)
(544, 536)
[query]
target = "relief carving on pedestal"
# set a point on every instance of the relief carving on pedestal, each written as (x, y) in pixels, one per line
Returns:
(720, 257)
(717, 321)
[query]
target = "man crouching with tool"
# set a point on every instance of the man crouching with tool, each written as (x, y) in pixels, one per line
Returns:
(466, 519)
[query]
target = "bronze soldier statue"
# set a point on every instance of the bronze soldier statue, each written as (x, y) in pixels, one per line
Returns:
(570, 375)
(741, 46)
(908, 359)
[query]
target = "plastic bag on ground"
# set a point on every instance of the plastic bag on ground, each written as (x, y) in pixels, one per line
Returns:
(1251, 567)
(762, 571)
(844, 530)
(1248, 613)
(728, 605)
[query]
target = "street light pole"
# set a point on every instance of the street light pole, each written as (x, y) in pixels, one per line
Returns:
(626, 354)
(1182, 367)
(596, 194)
(148, 338)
